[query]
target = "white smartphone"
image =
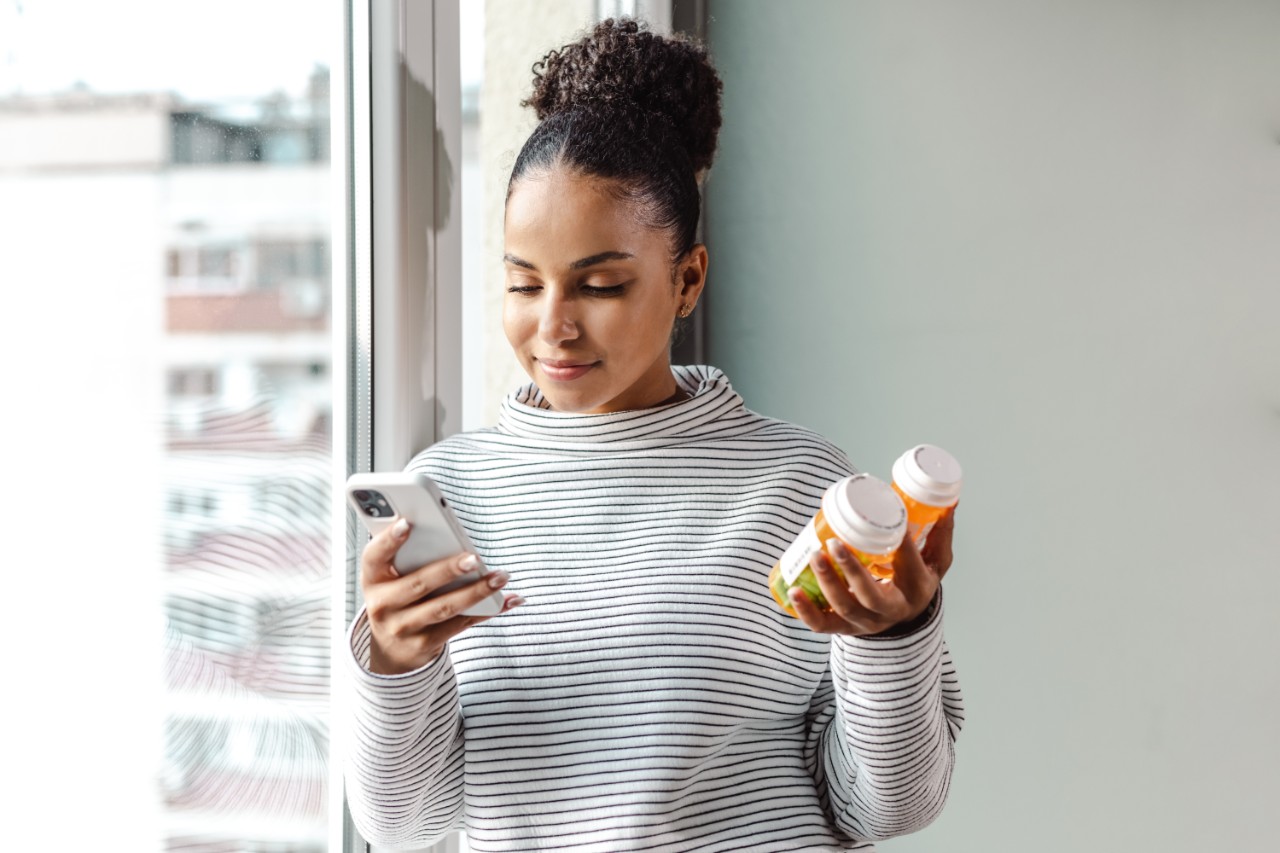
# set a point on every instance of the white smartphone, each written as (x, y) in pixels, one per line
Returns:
(379, 499)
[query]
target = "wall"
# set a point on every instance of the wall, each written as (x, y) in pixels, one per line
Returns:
(1045, 237)
(517, 34)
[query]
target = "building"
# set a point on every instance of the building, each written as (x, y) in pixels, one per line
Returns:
(229, 210)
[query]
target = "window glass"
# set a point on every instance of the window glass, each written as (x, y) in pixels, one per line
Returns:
(173, 181)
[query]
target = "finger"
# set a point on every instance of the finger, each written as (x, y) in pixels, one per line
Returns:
(458, 624)
(822, 621)
(937, 548)
(883, 599)
(828, 621)
(912, 577)
(433, 639)
(417, 585)
(840, 594)
(442, 608)
(376, 561)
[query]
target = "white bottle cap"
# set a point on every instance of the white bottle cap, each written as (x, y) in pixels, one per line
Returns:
(929, 475)
(865, 513)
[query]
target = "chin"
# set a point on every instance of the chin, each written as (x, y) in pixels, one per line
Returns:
(563, 401)
(588, 398)
(582, 395)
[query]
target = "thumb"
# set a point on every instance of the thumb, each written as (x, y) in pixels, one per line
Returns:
(937, 548)
(376, 564)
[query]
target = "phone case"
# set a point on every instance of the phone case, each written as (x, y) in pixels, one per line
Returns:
(436, 532)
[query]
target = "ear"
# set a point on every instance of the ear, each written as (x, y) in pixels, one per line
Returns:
(691, 275)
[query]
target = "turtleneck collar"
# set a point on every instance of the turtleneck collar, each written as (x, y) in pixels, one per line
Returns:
(713, 408)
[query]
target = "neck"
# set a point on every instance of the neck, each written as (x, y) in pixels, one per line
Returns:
(680, 394)
(660, 389)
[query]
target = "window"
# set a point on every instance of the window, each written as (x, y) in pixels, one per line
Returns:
(192, 382)
(277, 261)
(166, 168)
(173, 326)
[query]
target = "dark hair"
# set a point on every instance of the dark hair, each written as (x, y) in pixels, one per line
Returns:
(637, 109)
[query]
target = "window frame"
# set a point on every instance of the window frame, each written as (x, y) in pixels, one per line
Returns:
(396, 138)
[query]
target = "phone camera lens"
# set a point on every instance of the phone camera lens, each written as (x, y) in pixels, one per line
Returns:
(374, 511)
(360, 495)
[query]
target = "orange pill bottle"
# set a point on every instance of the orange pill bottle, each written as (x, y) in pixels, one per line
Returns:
(927, 478)
(864, 513)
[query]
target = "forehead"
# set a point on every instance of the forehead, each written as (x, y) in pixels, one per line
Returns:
(562, 216)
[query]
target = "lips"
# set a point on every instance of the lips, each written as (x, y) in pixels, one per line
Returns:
(564, 371)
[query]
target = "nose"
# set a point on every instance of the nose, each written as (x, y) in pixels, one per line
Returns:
(558, 321)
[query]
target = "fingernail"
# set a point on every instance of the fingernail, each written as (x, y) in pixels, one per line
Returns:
(470, 563)
(514, 602)
(498, 579)
(837, 548)
(401, 528)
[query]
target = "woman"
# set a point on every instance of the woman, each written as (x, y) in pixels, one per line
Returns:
(650, 695)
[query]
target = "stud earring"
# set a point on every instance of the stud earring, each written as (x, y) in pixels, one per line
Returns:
(686, 310)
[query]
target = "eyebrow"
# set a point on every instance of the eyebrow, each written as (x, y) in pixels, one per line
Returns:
(581, 263)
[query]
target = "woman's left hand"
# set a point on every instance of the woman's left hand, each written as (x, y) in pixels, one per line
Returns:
(866, 605)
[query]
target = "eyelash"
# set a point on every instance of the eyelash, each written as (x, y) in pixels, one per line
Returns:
(615, 290)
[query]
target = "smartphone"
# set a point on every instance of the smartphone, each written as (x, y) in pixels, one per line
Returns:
(379, 499)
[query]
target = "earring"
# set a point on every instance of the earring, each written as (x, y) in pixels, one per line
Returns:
(686, 310)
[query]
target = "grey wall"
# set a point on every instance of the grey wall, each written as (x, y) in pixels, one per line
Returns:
(1047, 237)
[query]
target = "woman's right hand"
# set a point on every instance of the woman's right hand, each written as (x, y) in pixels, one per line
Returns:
(408, 631)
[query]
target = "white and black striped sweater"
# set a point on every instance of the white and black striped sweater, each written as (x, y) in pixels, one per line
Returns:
(650, 695)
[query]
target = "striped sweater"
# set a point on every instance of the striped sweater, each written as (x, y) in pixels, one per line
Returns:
(650, 695)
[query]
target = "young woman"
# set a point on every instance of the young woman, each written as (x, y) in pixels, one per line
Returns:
(641, 690)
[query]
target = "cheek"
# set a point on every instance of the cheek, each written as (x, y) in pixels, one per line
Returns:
(655, 324)
(515, 322)
(626, 327)
(648, 332)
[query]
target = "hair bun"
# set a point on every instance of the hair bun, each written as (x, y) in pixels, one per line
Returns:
(622, 66)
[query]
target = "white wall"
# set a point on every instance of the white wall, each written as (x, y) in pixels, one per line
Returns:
(1046, 236)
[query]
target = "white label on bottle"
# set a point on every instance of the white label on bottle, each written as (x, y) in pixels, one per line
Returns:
(796, 558)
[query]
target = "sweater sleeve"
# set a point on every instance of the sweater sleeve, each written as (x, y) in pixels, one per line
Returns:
(403, 751)
(882, 728)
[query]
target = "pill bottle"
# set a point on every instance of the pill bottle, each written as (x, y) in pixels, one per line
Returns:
(864, 513)
(927, 478)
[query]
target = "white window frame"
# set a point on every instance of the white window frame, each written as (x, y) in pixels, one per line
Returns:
(397, 273)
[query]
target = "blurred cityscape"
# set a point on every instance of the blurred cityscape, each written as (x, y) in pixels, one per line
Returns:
(241, 244)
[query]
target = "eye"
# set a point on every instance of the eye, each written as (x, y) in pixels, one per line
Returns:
(523, 285)
(612, 290)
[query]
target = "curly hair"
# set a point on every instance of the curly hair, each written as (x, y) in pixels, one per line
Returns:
(635, 108)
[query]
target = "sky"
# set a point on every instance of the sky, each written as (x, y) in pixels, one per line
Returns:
(202, 49)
